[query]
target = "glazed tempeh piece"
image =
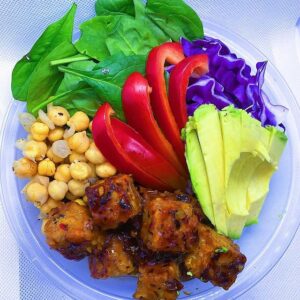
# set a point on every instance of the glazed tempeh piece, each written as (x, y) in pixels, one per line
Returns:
(158, 281)
(113, 201)
(169, 224)
(216, 258)
(113, 260)
(69, 229)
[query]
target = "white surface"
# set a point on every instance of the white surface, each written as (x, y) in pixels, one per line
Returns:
(269, 25)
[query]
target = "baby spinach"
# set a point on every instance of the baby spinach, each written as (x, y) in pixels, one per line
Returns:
(130, 27)
(73, 91)
(46, 79)
(83, 98)
(103, 36)
(25, 72)
(175, 18)
(115, 7)
(108, 77)
(120, 36)
(73, 82)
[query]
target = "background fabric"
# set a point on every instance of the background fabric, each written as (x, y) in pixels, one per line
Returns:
(271, 25)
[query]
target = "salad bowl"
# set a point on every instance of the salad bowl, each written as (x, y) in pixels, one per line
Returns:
(263, 244)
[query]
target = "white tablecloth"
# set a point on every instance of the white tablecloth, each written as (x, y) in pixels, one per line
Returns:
(271, 25)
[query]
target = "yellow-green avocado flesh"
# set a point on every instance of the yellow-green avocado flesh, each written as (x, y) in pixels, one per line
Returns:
(231, 159)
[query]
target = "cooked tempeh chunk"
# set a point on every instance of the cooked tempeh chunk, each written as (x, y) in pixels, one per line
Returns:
(216, 258)
(112, 260)
(169, 224)
(69, 229)
(158, 281)
(113, 201)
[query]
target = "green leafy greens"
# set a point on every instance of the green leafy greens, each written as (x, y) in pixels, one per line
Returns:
(112, 45)
(108, 77)
(33, 68)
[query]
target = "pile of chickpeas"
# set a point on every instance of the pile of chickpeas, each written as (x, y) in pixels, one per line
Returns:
(60, 159)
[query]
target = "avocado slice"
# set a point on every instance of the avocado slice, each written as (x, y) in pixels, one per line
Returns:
(197, 169)
(255, 138)
(230, 119)
(245, 147)
(210, 137)
(259, 185)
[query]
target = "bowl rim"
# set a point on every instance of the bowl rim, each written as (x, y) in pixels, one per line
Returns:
(28, 244)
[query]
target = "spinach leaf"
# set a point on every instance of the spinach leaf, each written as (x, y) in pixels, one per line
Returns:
(130, 27)
(133, 8)
(73, 93)
(73, 82)
(175, 18)
(104, 36)
(53, 36)
(94, 32)
(134, 37)
(46, 79)
(109, 76)
(115, 7)
(82, 98)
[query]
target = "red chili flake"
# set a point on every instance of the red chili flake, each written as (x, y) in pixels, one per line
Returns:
(63, 226)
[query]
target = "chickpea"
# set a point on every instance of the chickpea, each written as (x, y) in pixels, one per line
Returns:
(79, 142)
(91, 126)
(105, 170)
(24, 168)
(92, 170)
(63, 173)
(74, 157)
(50, 204)
(58, 115)
(94, 155)
(70, 196)
(77, 188)
(46, 167)
(36, 193)
(57, 190)
(80, 121)
(56, 159)
(56, 134)
(34, 150)
(80, 170)
(39, 131)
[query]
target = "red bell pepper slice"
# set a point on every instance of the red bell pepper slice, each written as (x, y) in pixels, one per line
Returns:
(171, 53)
(131, 154)
(178, 83)
(139, 115)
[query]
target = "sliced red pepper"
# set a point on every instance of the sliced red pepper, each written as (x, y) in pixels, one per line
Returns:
(131, 154)
(171, 53)
(178, 83)
(139, 115)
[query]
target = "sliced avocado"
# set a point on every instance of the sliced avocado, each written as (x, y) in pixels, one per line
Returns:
(236, 193)
(210, 137)
(259, 186)
(231, 132)
(255, 138)
(231, 159)
(197, 169)
(245, 144)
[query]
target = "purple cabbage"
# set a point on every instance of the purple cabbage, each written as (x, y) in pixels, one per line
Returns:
(229, 82)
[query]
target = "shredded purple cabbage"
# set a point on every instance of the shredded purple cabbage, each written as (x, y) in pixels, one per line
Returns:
(229, 81)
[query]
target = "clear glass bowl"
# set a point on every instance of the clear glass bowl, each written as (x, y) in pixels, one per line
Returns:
(263, 244)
